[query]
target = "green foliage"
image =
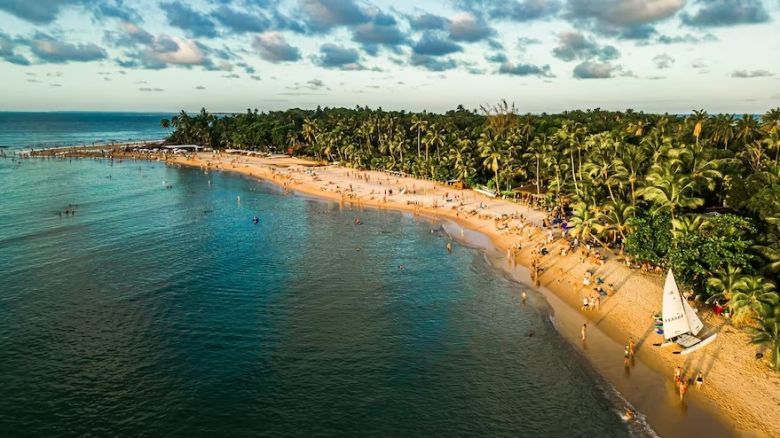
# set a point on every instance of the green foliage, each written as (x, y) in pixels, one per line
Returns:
(723, 241)
(651, 239)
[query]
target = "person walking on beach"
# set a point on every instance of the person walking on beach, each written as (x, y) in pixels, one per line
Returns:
(524, 296)
(582, 331)
(699, 380)
(677, 375)
(631, 347)
(449, 247)
(683, 390)
(626, 357)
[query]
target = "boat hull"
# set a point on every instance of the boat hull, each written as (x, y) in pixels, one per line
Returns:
(704, 342)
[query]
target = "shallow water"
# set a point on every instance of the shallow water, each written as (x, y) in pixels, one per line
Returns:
(166, 311)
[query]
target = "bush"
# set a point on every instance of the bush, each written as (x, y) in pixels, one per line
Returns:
(722, 241)
(651, 239)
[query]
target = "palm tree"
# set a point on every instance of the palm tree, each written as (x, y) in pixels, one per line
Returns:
(754, 296)
(670, 189)
(747, 129)
(616, 222)
(165, 123)
(726, 282)
(462, 160)
(535, 152)
(584, 223)
(490, 149)
(768, 334)
(697, 119)
(723, 129)
(419, 125)
(686, 225)
(628, 165)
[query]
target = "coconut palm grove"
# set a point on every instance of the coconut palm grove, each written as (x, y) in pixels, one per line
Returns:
(698, 193)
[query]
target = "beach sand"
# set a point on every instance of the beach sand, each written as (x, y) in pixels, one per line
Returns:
(739, 391)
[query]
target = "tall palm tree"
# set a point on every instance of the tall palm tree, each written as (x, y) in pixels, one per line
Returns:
(418, 124)
(669, 188)
(754, 296)
(584, 223)
(492, 153)
(616, 222)
(747, 129)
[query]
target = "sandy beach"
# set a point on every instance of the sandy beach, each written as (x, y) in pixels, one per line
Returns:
(738, 391)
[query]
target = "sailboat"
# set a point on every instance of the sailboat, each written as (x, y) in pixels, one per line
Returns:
(680, 323)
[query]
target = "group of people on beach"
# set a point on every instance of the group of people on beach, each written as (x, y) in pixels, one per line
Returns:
(683, 385)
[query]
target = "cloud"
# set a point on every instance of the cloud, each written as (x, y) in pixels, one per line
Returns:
(333, 56)
(574, 45)
(428, 21)
(165, 51)
(663, 61)
(241, 22)
(525, 70)
(679, 39)
(622, 12)
(189, 20)
(274, 48)
(255, 77)
(200, 87)
(381, 30)
(431, 44)
(231, 76)
(513, 10)
(8, 51)
(312, 84)
(114, 9)
(323, 15)
(49, 49)
(745, 74)
(35, 11)
(432, 63)
(599, 70)
(129, 35)
(150, 90)
(497, 58)
(468, 28)
(713, 13)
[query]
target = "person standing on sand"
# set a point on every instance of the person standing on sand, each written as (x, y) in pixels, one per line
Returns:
(524, 296)
(582, 331)
(631, 346)
(699, 380)
(683, 390)
(626, 357)
(677, 375)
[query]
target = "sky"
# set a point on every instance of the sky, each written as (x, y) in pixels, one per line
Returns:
(543, 55)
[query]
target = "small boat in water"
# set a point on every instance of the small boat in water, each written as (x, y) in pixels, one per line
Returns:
(681, 324)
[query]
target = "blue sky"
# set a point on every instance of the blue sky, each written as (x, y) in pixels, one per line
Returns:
(544, 55)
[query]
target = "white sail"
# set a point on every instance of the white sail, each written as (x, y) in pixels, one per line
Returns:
(694, 322)
(675, 319)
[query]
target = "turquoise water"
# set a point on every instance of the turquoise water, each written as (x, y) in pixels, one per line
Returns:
(29, 129)
(165, 311)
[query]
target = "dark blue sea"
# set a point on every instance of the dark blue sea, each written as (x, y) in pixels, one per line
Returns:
(158, 308)
(41, 129)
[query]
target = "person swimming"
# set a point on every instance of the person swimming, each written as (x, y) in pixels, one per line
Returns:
(255, 220)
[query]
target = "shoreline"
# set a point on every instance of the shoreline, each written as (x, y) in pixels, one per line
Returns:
(727, 363)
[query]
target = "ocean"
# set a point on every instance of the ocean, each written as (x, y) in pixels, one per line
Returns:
(20, 130)
(159, 308)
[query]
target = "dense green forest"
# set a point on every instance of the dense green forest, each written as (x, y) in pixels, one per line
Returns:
(699, 193)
